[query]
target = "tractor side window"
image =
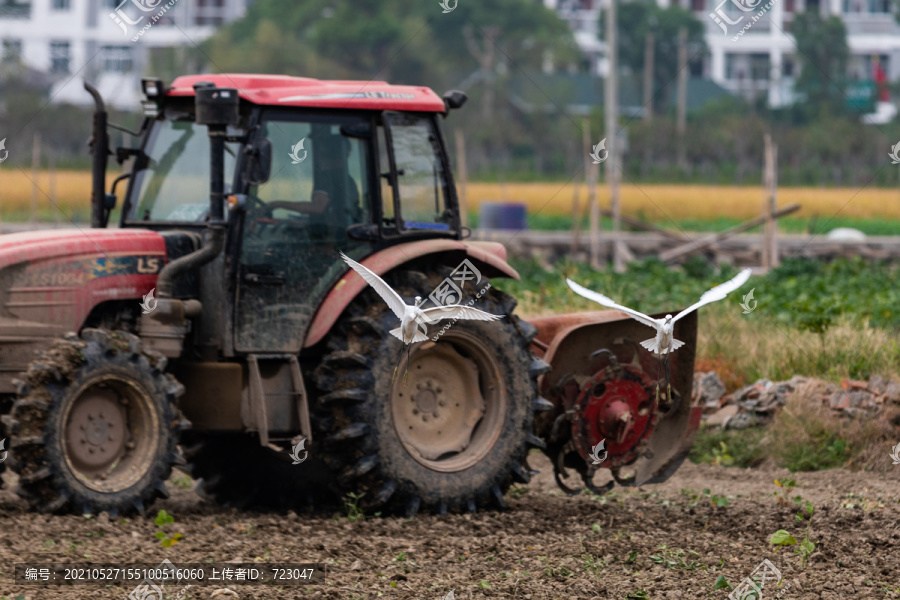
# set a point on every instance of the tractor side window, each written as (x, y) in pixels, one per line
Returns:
(173, 183)
(420, 172)
(387, 192)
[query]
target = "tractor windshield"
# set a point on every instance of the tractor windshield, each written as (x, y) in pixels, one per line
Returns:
(171, 179)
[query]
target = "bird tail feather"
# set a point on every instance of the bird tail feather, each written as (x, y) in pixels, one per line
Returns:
(419, 337)
(652, 346)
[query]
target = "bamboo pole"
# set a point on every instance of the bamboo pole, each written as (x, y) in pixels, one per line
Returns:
(709, 240)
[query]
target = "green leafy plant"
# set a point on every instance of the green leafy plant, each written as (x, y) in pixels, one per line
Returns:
(351, 505)
(166, 540)
(722, 583)
(807, 546)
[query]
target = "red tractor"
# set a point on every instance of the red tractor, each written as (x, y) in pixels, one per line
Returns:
(217, 329)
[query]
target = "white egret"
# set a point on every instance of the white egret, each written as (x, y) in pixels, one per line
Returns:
(412, 318)
(664, 343)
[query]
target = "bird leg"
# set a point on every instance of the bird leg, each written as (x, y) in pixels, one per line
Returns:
(668, 382)
(657, 379)
(406, 375)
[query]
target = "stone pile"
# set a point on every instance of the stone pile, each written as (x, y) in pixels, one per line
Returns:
(756, 404)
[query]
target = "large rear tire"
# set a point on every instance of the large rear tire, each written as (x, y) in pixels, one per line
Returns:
(96, 426)
(455, 436)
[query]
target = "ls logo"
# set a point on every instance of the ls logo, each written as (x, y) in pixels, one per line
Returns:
(147, 265)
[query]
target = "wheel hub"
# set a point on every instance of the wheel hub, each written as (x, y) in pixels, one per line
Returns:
(96, 428)
(111, 434)
(444, 416)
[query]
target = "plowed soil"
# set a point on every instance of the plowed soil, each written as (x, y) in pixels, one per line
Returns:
(658, 541)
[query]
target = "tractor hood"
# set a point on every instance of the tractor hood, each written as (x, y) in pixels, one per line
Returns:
(56, 277)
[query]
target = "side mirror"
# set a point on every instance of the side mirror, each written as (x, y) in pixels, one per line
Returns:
(259, 161)
(454, 99)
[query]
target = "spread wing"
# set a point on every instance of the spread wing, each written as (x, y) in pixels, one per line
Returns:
(456, 311)
(717, 293)
(608, 302)
(392, 298)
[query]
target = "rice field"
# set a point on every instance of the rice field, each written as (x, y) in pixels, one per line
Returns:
(70, 191)
(662, 202)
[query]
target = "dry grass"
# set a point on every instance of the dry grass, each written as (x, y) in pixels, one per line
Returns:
(759, 347)
(662, 202)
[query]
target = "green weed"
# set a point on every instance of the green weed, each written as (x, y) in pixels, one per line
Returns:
(166, 540)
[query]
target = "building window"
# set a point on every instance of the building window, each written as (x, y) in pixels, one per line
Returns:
(787, 67)
(61, 4)
(117, 59)
(12, 51)
(59, 57)
(759, 67)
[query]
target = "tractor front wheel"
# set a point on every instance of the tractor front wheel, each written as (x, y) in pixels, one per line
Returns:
(96, 425)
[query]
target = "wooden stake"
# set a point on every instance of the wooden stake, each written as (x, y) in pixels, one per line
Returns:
(612, 162)
(771, 223)
(576, 219)
(462, 178)
(649, 55)
(590, 175)
(51, 167)
(682, 97)
(35, 163)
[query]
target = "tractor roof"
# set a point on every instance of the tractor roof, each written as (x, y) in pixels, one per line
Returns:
(282, 90)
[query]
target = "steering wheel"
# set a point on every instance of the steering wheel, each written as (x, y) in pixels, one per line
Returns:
(257, 204)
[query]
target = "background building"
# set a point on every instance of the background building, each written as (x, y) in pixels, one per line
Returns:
(763, 61)
(77, 40)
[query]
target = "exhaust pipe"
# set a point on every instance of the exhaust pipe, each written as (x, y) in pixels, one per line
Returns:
(217, 108)
(100, 155)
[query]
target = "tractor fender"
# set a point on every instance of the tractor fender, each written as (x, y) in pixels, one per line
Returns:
(490, 256)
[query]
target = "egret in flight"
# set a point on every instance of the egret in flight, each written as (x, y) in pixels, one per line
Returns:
(664, 343)
(412, 318)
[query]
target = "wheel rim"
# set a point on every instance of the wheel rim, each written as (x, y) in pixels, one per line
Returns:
(450, 412)
(111, 434)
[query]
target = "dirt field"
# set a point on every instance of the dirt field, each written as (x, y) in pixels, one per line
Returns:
(660, 541)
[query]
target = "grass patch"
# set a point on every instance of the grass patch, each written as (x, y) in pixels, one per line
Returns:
(807, 437)
(739, 447)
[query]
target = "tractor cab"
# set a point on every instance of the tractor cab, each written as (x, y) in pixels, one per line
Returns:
(310, 169)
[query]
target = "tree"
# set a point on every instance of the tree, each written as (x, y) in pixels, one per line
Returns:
(823, 52)
(636, 20)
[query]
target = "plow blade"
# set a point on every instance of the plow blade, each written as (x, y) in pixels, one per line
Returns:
(607, 412)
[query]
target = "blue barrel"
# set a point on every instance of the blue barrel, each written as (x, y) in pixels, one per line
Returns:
(502, 215)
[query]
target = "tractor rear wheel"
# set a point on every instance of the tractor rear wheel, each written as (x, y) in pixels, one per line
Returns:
(452, 437)
(96, 426)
